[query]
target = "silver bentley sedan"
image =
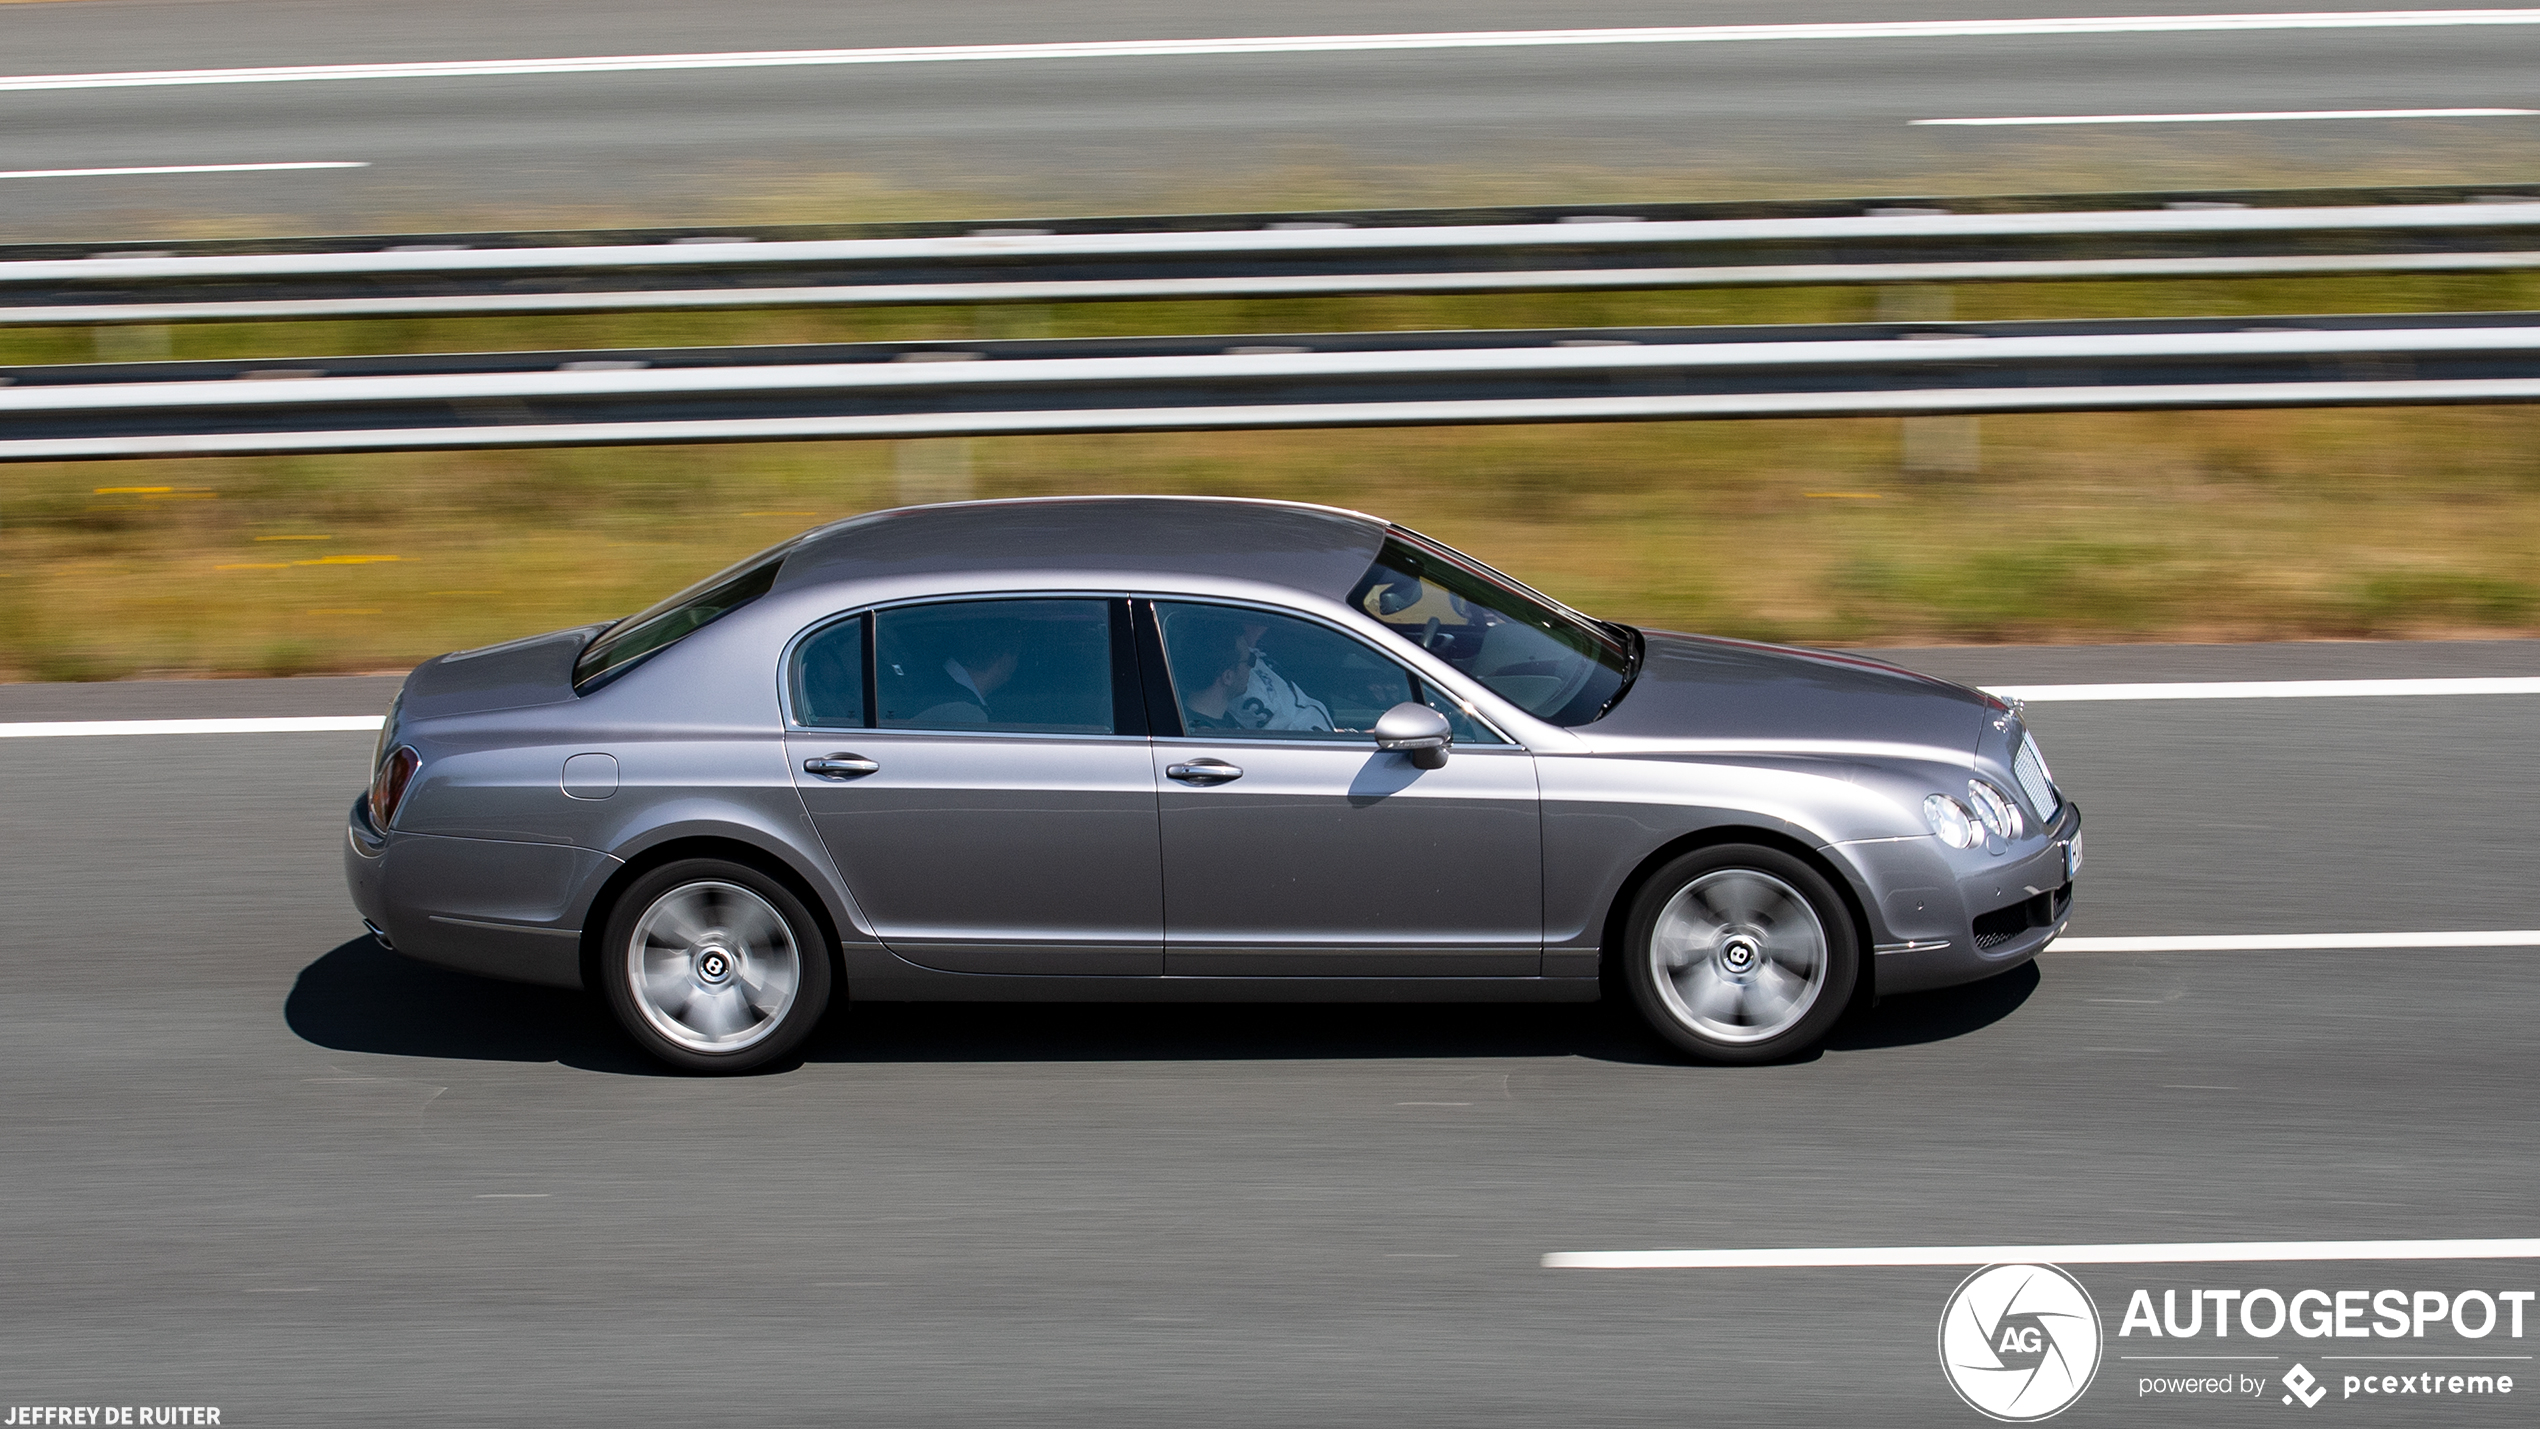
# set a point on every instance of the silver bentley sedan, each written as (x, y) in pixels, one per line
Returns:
(1118, 748)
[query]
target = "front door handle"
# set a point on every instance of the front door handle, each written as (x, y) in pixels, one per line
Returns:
(841, 766)
(1204, 771)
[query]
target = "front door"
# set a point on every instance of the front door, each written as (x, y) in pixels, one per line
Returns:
(1294, 847)
(989, 801)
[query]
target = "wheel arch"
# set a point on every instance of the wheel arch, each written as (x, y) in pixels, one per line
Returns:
(1618, 909)
(721, 846)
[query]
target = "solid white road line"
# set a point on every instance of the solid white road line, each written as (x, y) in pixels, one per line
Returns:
(2251, 117)
(299, 724)
(177, 169)
(2174, 1253)
(2300, 942)
(1301, 44)
(2268, 689)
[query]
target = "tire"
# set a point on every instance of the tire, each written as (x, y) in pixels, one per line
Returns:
(713, 966)
(1740, 954)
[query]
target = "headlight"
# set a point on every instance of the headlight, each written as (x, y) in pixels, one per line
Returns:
(1948, 818)
(2001, 817)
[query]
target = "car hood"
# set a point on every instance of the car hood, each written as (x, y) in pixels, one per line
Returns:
(513, 675)
(1700, 689)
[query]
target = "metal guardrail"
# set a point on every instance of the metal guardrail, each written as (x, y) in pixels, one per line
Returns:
(1647, 246)
(1187, 383)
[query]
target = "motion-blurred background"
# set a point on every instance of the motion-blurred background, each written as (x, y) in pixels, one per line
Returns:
(1871, 531)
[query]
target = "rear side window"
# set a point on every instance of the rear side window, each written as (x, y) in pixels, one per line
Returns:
(1016, 666)
(619, 647)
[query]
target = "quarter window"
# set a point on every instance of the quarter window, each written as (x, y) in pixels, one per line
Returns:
(829, 677)
(1019, 666)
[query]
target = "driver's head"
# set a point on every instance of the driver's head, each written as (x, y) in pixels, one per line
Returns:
(1208, 649)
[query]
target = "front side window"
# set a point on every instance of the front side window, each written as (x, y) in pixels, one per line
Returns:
(1547, 660)
(1019, 666)
(618, 648)
(1239, 672)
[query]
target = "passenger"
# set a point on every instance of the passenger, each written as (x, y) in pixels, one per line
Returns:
(955, 694)
(1227, 683)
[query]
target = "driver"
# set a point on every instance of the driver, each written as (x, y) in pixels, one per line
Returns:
(1227, 683)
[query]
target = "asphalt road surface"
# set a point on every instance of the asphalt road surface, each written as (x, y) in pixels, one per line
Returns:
(1081, 134)
(254, 1162)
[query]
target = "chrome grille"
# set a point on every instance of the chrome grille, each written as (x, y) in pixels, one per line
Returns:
(2029, 767)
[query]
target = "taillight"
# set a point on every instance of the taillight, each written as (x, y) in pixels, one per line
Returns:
(388, 786)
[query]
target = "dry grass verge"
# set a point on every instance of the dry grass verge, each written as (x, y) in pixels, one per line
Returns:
(2207, 526)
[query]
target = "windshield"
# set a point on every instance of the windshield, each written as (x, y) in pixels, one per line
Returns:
(1526, 648)
(621, 645)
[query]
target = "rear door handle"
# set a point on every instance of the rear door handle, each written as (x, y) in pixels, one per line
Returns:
(841, 766)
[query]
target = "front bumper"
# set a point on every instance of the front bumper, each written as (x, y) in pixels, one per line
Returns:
(1948, 919)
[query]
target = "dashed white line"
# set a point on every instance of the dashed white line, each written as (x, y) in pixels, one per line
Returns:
(2164, 1253)
(2243, 117)
(2298, 943)
(1300, 44)
(180, 169)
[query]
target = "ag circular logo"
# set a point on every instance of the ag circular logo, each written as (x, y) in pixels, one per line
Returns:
(2019, 1342)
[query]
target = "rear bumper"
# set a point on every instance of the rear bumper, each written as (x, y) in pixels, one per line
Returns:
(1950, 919)
(490, 907)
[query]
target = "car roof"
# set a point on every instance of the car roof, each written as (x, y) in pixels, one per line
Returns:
(1322, 549)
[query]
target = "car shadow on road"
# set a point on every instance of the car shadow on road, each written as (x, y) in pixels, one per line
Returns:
(359, 997)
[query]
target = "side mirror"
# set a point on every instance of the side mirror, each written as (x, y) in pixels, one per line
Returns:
(1417, 730)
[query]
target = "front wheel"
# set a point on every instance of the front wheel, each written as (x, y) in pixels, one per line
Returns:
(713, 966)
(1740, 954)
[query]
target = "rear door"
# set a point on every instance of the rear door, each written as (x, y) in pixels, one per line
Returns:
(979, 770)
(1294, 847)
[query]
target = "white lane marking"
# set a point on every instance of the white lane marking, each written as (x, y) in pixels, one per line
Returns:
(2246, 117)
(1299, 44)
(2268, 689)
(2170, 1253)
(300, 724)
(180, 169)
(2299, 943)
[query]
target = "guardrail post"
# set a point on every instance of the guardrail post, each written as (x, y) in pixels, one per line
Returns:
(1942, 446)
(930, 470)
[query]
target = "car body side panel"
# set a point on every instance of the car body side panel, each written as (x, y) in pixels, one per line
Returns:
(1331, 858)
(1604, 816)
(996, 854)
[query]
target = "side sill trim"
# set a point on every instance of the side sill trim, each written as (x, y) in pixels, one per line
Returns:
(507, 927)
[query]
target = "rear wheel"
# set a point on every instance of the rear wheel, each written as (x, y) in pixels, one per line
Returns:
(714, 966)
(1740, 954)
